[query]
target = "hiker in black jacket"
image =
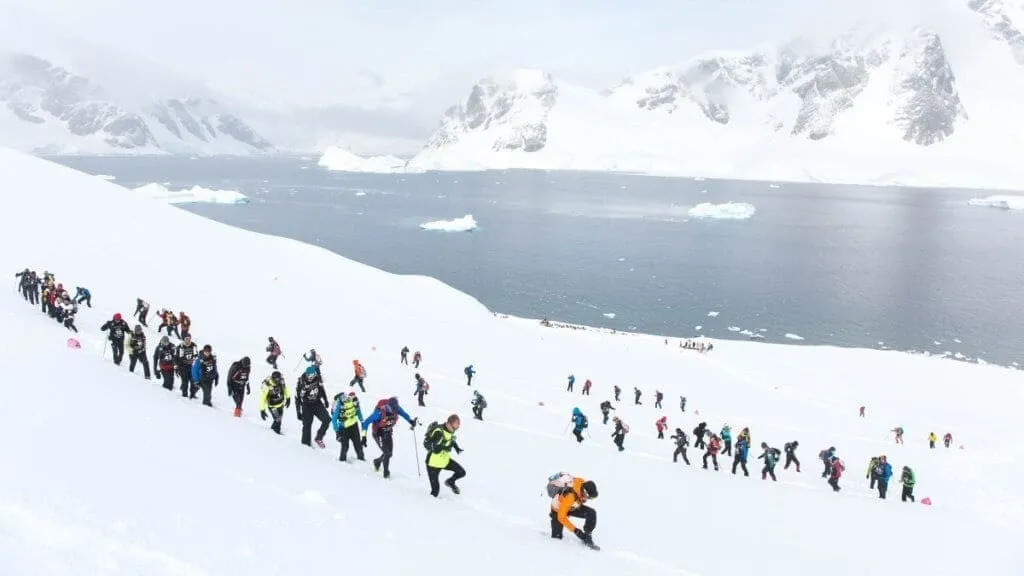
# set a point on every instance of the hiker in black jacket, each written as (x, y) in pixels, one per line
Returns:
(790, 448)
(117, 328)
(238, 383)
(681, 443)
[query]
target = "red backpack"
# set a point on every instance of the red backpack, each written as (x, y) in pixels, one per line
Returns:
(388, 417)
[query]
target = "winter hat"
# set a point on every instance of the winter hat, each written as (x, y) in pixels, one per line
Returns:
(246, 361)
(117, 317)
(310, 371)
(589, 489)
(165, 340)
(207, 348)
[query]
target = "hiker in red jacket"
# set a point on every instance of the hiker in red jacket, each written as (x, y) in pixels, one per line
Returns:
(661, 424)
(586, 388)
(837, 472)
(713, 446)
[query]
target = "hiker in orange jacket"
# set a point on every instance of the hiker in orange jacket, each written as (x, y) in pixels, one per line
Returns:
(572, 501)
(360, 374)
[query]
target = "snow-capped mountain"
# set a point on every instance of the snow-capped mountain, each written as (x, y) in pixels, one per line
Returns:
(1005, 20)
(47, 107)
(882, 106)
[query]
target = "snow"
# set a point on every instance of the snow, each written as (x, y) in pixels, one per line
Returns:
(792, 336)
(999, 201)
(193, 195)
(342, 160)
(112, 474)
(725, 211)
(106, 177)
(464, 224)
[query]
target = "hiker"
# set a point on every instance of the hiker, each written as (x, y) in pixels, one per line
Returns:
(346, 416)
(698, 435)
(742, 448)
(569, 496)
(836, 468)
(790, 448)
(273, 350)
(204, 372)
(478, 403)
(311, 402)
(137, 351)
(619, 434)
(163, 361)
(184, 356)
(315, 361)
(117, 328)
(726, 435)
(586, 387)
(871, 471)
(421, 389)
(636, 396)
(882, 473)
(861, 411)
(359, 372)
(932, 439)
(770, 457)
(238, 383)
(617, 391)
(681, 443)
(416, 359)
(579, 423)
(83, 295)
(572, 380)
(383, 418)
(908, 480)
(405, 355)
(275, 397)
(712, 451)
(898, 431)
(439, 442)
(826, 457)
(947, 439)
(606, 407)
(658, 397)
(141, 311)
(661, 424)
(469, 372)
(682, 404)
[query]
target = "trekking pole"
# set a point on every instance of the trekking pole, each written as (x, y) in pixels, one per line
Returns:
(416, 449)
(104, 356)
(566, 429)
(297, 362)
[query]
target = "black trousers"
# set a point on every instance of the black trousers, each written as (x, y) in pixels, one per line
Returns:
(834, 483)
(310, 411)
(828, 469)
(791, 459)
(434, 473)
(657, 403)
(135, 358)
(419, 398)
(33, 296)
(568, 388)
(351, 434)
(578, 433)
(272, 360)
(698, 442)
(188, 387)
(478, 412)
(277, 414)
(661, 434)
(168, 376)
(117, 349)
(680, 451)
(742, 464)
(386, 442)
(357, 380)
(726, 448)
(768, 471)
(206, 384)
(237, 393)
(883, 487)
(69, 323)
(588, 514)
(908, 493)
(86, 299)
(617, 392)
(605, 414)
(618, 440)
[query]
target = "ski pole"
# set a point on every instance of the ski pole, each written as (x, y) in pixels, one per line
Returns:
(566, 429)
(297, 362)
(104, 349)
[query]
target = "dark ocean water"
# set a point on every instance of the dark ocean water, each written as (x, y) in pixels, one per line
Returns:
(907, 269)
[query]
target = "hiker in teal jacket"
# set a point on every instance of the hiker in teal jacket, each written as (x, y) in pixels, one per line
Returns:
(726, 437)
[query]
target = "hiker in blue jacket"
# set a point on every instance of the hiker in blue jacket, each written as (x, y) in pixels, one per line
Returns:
(572, 380)
(741, 456)
(383, 419)
(882, 473)
(468, 371)
(204, 372)
(83, 295)
(579, 422)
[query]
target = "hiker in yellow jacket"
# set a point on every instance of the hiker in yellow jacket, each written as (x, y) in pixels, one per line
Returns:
(932, 439)
(274, 395)
(439, 442)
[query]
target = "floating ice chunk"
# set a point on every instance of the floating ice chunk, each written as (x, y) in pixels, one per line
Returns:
(464, 224)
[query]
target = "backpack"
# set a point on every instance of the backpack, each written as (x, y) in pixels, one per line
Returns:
(625, 427)
(388, 417)
(583, 421)
(559, 484)
(775, 452)
(427, 435)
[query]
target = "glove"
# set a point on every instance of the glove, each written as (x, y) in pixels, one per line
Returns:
(339, 435)
(458, 450)
(582, 535)
(248, 390)
(216, 381)
(364, 441)
(298, 412)
(263, 414)
(415, 421)
(288, 403)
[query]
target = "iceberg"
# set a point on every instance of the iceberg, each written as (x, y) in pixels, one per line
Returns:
(726, 211)
(341, 160)
(999, 201)
(193, 195)
(465, 224)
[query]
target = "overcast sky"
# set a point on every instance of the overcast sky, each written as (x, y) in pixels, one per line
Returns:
(330, 51)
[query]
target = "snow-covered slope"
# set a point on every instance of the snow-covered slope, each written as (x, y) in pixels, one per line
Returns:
(921, 105)
(105, 472)
(60, 94)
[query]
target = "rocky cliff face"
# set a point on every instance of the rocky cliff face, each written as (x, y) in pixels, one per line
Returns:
(515, 111)
(1005, 20)
(42, 95)
(824, 83)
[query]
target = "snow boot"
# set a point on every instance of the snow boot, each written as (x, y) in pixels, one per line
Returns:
(449, 483)
(320, 443)
(238, 412)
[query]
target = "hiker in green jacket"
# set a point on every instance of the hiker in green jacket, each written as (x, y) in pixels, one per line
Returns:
(908, 481)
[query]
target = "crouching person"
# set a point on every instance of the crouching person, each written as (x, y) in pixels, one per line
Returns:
(439, 442)
(569, 498)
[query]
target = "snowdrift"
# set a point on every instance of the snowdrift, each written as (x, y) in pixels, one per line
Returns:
(105, 472)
